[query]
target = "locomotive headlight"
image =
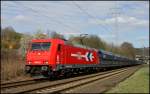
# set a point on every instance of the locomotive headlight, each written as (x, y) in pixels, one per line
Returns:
(44, 68)
(29, 62)
(46, 62)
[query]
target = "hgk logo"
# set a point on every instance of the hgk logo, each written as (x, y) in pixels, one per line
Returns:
(88, 56)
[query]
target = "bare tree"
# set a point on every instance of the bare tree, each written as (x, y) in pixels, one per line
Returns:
(128, 49)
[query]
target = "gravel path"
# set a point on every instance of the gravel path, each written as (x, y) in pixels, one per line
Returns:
(101, 86)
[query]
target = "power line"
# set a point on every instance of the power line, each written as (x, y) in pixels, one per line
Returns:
(91, 16)
(57, 21)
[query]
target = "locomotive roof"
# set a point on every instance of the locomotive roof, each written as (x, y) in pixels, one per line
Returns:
(48, 40)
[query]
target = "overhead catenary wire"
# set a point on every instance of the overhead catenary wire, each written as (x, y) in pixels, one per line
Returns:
(56, 21)
(91, 16)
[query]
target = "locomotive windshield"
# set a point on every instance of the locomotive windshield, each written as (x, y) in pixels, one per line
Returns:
(40, 46)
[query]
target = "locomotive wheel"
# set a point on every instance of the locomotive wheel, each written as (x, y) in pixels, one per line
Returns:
(51, 75)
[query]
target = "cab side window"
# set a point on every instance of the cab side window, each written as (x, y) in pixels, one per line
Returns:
(59, 47)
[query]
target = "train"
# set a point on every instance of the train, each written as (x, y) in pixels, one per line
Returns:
(55, 57)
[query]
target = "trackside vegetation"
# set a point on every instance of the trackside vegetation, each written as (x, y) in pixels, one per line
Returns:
(137, 83)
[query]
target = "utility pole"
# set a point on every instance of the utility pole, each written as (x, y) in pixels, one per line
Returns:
(48, 33)
(116, 13)
(143, 49)
(112, 47)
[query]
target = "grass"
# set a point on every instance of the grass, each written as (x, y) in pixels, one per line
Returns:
(137, 83)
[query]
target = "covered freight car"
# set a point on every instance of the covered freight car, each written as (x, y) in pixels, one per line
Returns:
(109, 59)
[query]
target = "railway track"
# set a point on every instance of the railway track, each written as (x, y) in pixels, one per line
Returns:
(21, 83)
(65, 84)
(73, 84)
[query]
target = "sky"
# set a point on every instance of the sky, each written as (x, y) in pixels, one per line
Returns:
(113, 21)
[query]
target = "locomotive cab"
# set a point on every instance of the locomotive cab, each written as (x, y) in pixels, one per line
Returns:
(41, 55)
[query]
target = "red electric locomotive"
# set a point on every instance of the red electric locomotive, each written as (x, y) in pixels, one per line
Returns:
(54, 57)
